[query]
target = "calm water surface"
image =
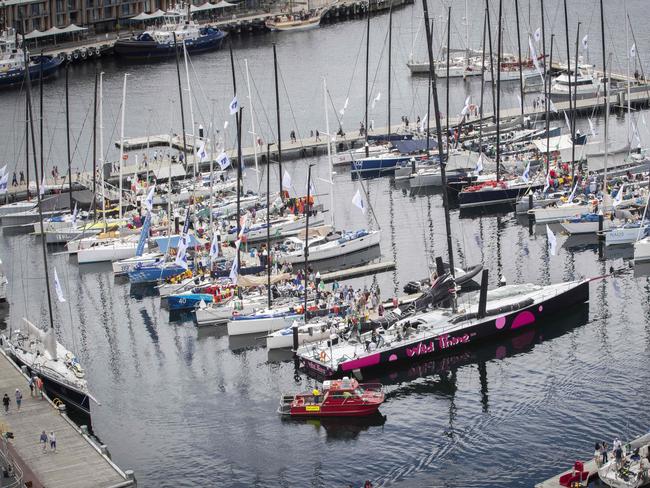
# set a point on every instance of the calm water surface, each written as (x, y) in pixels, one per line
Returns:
(189, 407)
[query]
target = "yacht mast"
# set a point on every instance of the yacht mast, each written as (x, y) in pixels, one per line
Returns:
(605, 94)
(329, 153)
(250, 106)
(101, 142)
(189, 96)
(122, 137)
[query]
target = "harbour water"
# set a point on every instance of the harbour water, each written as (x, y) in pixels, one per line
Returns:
(192, 407)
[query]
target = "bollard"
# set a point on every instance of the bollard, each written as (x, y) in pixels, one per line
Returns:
(104, 450)
(294, 330)
(84, 429)
(601, 221)
(61, 407)
(23, 368)
(482, 299)
(130, 475)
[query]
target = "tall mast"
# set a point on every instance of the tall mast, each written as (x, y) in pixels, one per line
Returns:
(568, 65)
(67, 133)
(447, 80)
(189, 96)
(239, 161)
(40, 89)
(101, 141)
(27, 131)
(489, 30)
(548, 106)
(467, 30)
(521, 75)
(329, 152)
(574, 111)
(95, 146)
(390, 56)
(498, 115)
(480, 125)
(277, 117)
(250, 105)
(367, 67)
(429, 104)
(436, 109)
(308, 211)
(268, 223)
(180, 94)
(28, 93)
(122, 137)
(629, 102)
(605, 93)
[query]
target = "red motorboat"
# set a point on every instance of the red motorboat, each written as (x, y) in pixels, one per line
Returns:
(339, 398)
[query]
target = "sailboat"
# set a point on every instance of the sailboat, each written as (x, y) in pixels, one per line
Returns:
(300, 21)
(38, 350)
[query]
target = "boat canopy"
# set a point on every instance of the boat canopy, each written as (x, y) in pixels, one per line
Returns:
(36, 34)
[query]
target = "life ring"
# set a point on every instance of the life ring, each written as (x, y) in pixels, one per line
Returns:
(323, 356)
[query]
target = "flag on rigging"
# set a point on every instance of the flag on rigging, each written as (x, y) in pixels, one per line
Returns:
(57, 287)
(234, 270)
(551, 106)
(345, 106)
(223, 161)
(4, 184)
(566, 119)
(585, 42)
(74, 216)
(202, 153)
(479, 164)
(225, 125)
(214, 246)
(148, 202)
(619, 196)
(538, 34)
(526, 175)
(573, 193)
(548, 183)
(234, 106)
(144, 234)
(633, 51)
(466, 107)
(181, 253)
(423, 123)
(377, 98)
(358, 201)
(552, 241)
(41, 191)
(286, 181)
(591, 127)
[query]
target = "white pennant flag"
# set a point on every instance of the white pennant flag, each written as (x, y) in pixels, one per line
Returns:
(148, 202)
(548, 183)
(585, 42)
(533, 56)
(573, 193)
(225, 125)
(633, 51)
(42, 189)
(234, 270)
(214, 247)
(552, 241)
(74, 216)
(223, 161)
(566, 119)
(234, 106)
(358, 201)
(377, 98)
(345, 106)
(479, 164)
(591, 127)
(526, 175)
(201, 153)
(619, 196)
(181, 254)
(466, 107)
(423, 123)
(286, 181)
(551, 105)
(538, 34)
(57, 287)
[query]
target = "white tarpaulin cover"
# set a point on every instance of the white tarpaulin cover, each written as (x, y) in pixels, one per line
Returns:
(54, 31)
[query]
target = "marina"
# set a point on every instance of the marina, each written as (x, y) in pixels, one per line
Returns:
(234, 260)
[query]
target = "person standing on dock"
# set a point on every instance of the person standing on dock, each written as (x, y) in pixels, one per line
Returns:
(52, 442)
(22, 178)
(5, 402)
(19, 398)
(317, 136)
(39, 387)
(14, 181)
(31, 386)
(43, 440)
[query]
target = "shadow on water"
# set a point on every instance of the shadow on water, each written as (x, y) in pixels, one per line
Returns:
(502, 210)
(341, 428)
(216, 331)
(139, 291)
(245, 342)
(280, 355)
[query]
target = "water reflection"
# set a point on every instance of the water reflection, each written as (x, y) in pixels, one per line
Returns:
(341, 428)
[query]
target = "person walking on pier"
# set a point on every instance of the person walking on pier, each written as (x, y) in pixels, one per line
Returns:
(43, 440)
(31, 386)
(52, 442)
(14, 181)
(19, 398)
(5, 402)
(22, 178)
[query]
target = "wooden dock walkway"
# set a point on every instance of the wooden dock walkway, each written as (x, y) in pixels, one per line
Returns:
(78, 462)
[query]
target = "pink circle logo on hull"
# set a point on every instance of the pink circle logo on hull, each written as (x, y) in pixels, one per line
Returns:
(500, 323)
(522, 319)
(392, 357)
